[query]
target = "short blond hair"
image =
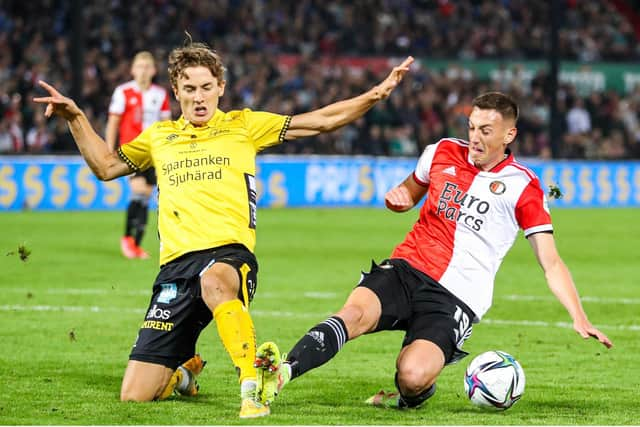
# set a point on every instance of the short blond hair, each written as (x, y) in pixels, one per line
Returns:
(144, 54)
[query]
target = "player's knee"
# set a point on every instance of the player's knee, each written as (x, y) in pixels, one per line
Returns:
(412, 380)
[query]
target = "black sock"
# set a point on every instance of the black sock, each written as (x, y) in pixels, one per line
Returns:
(132, 217)
(318, 346)
(143, 213)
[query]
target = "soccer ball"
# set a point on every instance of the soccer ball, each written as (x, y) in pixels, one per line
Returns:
(494, 379)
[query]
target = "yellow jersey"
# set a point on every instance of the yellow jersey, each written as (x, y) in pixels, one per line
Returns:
(206, 177)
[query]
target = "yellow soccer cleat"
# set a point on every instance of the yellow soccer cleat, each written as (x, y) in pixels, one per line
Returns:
(271, 379)
(252, 409)
(191, 369)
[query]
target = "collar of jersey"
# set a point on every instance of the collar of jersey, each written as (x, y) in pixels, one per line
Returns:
(508, 158)
(184, 123)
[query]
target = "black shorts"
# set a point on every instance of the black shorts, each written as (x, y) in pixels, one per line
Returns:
(149, 175)
(177, 314)
(415, 303)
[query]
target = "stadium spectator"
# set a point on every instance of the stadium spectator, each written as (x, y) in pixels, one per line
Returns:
(135, 105)
(206, 216)
(434, 285)
(39, 137)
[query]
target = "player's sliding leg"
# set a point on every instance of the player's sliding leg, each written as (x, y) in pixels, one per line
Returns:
(418, 366)
(220, 289)
(237, 333)
(359, 315)
(395, 400)
(314, 349)
(272, 374)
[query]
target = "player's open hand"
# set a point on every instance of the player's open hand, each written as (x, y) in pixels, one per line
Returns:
(587, 330)
(398, 199)
(57, 103)
(395, 77)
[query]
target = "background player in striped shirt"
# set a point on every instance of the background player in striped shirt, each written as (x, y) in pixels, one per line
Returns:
(135, 105)
(440, 279)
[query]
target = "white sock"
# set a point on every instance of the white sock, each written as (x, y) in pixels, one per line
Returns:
(186, 377)
(248, 388)
(287, 367)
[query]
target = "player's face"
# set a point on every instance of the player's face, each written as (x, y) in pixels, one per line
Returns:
(198, 92)
(143, 71)
(489, 135)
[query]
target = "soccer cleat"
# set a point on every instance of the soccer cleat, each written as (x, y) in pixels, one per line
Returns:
(382, 399)
(192, 369)
(393, 399)
(128, 247)
(270, 378)
(252, 409)
(141, 253)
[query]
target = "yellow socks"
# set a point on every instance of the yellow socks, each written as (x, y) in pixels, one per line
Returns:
(238, 336)
(175, 379)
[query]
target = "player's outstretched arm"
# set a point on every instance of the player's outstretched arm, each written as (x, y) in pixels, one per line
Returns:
(111, 132)
(340, 113)
(106, 165)
(404, 196)
(561, 284)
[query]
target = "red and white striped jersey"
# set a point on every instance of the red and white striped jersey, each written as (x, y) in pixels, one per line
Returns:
(470, 219)
(138, 109)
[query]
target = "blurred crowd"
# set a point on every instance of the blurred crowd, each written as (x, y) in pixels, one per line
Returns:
(254, 37)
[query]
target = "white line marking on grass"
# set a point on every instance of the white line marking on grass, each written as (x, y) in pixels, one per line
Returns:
(320, 295)
(597, 300)
(265, 313)
(311, 295)
(79, 291)
(291, 314)
(564, 325)
(71, 308)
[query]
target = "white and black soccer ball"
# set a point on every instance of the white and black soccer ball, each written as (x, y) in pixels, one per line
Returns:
(494, 379)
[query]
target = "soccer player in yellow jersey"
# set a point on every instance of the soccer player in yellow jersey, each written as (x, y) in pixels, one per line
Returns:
(205, 163)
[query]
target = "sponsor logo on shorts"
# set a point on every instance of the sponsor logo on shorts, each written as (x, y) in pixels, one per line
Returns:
(156, 312)
(157, 325)
(168, 293)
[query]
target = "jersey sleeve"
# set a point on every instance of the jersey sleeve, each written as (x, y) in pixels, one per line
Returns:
(532, 210)
(421, 174)
(137, 153)
(118, 102)
(265, 129)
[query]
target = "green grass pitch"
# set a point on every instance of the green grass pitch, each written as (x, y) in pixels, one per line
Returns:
(70, 313)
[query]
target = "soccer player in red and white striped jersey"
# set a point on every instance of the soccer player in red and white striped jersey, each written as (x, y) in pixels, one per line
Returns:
(134, 106)
(439, 280)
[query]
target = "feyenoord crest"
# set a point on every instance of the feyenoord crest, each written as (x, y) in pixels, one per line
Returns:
(497, 187)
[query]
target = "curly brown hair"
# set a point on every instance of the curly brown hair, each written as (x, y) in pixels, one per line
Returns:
(194, 55)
